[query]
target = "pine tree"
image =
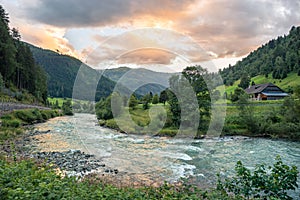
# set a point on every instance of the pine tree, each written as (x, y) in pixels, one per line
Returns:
(7, 49)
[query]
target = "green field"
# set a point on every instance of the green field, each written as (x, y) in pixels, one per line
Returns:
(60, 101)
(289, 82)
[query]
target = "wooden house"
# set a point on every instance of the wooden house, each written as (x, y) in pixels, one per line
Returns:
(267, 91)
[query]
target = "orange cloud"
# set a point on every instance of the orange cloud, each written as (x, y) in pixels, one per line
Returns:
(147, 56)
(49, 38)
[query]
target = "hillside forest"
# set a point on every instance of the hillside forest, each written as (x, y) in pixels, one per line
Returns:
(277, 58)
(19, 74)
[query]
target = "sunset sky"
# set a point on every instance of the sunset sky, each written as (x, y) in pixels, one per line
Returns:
(156, 33)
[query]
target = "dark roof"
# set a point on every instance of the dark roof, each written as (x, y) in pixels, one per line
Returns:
(257, 88)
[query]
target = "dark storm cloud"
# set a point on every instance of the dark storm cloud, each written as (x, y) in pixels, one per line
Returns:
(78, 13)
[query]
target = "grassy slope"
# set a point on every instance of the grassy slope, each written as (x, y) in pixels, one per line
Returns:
(291, 81)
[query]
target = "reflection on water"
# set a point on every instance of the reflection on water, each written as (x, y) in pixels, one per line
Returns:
(169, 159)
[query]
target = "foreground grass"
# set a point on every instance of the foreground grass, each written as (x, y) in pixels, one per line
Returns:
(27, 180)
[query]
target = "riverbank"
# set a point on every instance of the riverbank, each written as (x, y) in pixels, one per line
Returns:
(264, 120)
(21, 140)
(140, 160)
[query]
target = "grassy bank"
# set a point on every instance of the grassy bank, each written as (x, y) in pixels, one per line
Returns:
(263, 114)
(13, 124)
(141, 119)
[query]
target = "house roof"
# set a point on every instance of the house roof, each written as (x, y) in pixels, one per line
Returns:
(257, 88)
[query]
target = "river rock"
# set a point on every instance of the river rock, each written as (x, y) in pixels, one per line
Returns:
(74, 161)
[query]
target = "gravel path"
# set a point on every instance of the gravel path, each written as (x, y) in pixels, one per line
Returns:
(7, 107)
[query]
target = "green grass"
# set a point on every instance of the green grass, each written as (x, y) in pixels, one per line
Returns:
(28, 180)
(140, 116)
(230, 89)
(291, 81)
(141, 119)
(11, 124)
(60, 101)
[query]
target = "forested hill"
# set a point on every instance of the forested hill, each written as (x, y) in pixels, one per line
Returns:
(277, 58)
(19, 74)
(62, 71)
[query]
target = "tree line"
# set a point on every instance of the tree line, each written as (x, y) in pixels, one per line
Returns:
(17, 66)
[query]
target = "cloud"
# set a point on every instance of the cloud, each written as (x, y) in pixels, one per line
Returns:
(234, 28)
(225, 29)
(47, 37)
(147, 56)
(75, 13)
(147, 46)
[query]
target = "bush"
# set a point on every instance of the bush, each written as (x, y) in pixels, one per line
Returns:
(13, 123)
(112, 124)
(46, 115)
(38, 116)
(264, 182)
(27, 116)
(67, 108)
(7, 117)
(168, 132)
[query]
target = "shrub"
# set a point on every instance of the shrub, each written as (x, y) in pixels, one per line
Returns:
(168, 132)
(7, 117)
(264, 182)
(112, 124)
(14, 123)
(46, 115)
(37, 114)
(67, 108)
(25, 115)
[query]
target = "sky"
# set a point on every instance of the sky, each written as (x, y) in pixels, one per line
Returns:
(163, 35)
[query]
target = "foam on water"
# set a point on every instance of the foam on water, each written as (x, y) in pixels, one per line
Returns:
(176, 155)
(181, 171)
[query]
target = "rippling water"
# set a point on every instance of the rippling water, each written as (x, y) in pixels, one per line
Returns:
(170, 159)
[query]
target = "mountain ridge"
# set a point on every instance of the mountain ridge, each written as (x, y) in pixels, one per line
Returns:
(62, 72)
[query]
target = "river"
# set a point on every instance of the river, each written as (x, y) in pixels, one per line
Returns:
(169, 158)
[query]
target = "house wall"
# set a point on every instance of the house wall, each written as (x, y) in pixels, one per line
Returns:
(274, 98)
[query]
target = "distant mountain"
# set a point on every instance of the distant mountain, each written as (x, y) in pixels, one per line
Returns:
(149, 81)
(62, 72)
(277, 58)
